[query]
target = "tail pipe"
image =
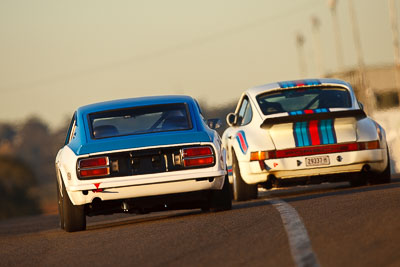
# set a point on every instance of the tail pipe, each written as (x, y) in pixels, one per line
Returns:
(366, 168)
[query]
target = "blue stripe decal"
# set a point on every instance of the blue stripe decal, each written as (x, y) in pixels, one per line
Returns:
(243, 147)
(245, 140)
(298, 138)
(329, 126)
(304, 133)
(301, 112)
(240, 145)
(229, 170)
(323, 132)
(326, 132)
(299, 83)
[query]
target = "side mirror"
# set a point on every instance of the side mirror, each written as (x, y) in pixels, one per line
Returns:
(231, 119)
(361, 105)
(214, 123)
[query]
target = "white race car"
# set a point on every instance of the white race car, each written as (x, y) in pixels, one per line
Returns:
(302, 132)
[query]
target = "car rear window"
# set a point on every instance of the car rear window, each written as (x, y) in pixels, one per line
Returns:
(303, 99)
(140, 120)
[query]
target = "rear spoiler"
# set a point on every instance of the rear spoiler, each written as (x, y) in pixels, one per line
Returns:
(355, 113)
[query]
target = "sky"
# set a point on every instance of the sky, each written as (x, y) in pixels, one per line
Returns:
(58, 55)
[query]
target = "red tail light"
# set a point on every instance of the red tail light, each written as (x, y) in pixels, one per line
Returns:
(313, 150)
(197, 156)
(198, 161)
(93, 167)
(197, 151)
(94, 172)
(93, 162)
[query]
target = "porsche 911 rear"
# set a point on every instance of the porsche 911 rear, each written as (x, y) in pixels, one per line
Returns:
(318, 147)
(302, 132)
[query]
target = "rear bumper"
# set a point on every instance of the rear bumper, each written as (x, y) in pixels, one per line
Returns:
(295, 167)
(85, 193)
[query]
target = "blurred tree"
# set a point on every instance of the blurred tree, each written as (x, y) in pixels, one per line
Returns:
(7, 132)
(16, 181)
(33, 145)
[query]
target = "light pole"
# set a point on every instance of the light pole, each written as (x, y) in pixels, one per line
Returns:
(317, 45)
(336, 30)
(300, 52)
(396, 48)
(365, 91)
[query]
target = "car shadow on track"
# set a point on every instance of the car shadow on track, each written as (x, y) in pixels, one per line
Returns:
(343, 191)
(298, 193)
(138, 219)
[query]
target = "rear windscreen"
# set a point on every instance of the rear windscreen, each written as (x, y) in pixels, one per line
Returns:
(303, 99)
(140, 120)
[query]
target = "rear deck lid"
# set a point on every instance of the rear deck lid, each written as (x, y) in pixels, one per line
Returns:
(313, 129)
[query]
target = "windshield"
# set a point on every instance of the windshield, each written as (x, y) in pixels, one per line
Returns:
(304, 99)
(140, 120)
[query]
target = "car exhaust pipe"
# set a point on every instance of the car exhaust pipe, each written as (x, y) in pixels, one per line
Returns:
(366, 168)
(125, 206)
(272, 181)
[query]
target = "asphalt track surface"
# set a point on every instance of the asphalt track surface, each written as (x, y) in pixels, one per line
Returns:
(319, 225)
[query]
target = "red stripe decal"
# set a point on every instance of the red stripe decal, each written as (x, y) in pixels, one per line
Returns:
(242, 142)
(313, 128)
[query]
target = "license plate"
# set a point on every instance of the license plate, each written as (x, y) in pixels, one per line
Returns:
(317, 161)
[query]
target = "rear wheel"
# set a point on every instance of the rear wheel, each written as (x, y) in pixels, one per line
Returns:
(73, 215)
(359, 179)
(60, 206)
(221, 199)
(385, 176)
(241, 190)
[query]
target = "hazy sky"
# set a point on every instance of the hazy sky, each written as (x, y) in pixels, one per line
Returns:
(58, 55)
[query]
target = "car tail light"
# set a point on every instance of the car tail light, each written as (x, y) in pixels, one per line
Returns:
(369, 145)
(197, 156)
(313, 150)
(93, 167)
(197, 151)
(262, 155)
(198, 161)
(93, 162)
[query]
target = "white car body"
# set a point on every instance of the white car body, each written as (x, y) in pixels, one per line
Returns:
(298, 138)
(85, 191)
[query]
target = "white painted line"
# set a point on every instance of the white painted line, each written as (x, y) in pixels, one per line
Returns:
(299, 242)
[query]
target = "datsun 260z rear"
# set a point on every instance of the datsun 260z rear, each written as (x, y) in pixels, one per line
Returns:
(299, 132)
(139, 155)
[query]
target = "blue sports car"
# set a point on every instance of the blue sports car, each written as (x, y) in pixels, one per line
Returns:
(140, 155)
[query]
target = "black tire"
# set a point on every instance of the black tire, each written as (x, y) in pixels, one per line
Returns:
(60, 206)
(359, 179)
(73, 215)
(385, 176)
(221, 200)
(241, 190)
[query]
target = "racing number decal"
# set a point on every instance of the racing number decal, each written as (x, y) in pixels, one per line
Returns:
(241, 138)
(311, 133)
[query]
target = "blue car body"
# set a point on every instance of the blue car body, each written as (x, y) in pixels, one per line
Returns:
(84, 144)
(123, 156)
